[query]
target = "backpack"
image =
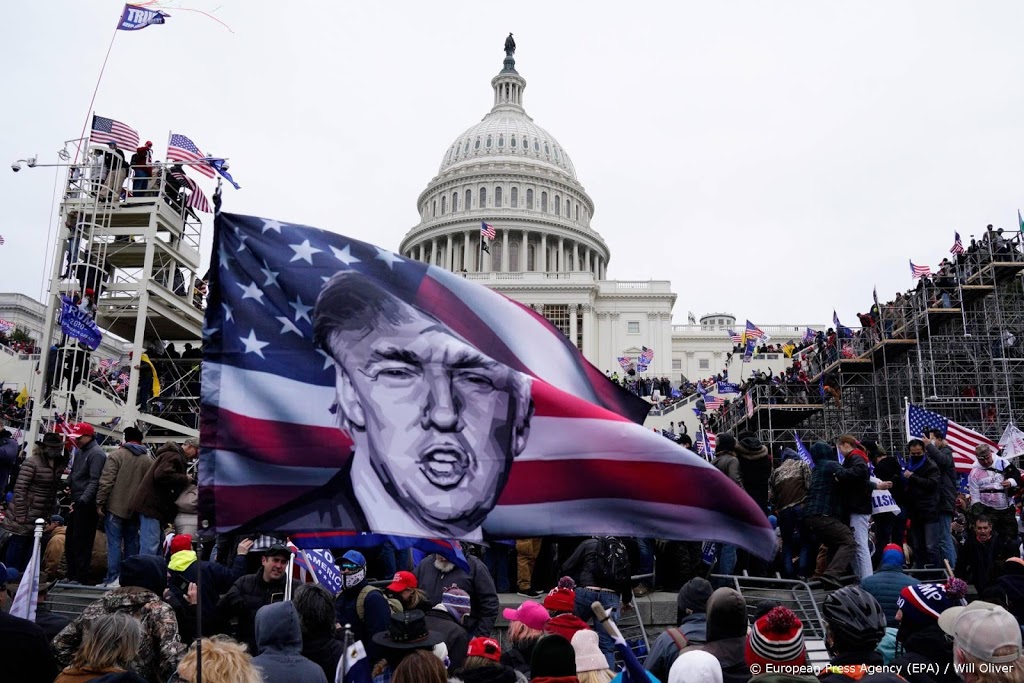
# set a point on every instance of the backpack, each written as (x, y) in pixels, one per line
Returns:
(393, 603)
(612, 561)
(677, 637)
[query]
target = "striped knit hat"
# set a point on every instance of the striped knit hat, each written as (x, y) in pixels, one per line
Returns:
(777, 638)
(924, 602)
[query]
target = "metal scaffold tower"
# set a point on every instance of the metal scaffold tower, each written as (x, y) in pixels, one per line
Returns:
(954, 345)
(127, 256)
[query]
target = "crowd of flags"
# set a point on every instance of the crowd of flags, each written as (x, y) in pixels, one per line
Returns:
(750, 332)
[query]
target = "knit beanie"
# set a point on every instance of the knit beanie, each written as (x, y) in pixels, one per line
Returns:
(457, 602)
(562, 597)
(777, 638)
(822, 451)
(893, 554)
(694, 596)
(695, 666)
(588, 655)
(725, 442)
(181, 542)
(922, 604)
(553, 656)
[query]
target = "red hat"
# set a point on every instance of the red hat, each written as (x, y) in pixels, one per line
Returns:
(148, 143)
(402, 581)
(562, 597)
(82, 429)
(776, 638)
(487, 648)
(181, 542)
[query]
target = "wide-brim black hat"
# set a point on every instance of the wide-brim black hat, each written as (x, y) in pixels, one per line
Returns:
(408, 631)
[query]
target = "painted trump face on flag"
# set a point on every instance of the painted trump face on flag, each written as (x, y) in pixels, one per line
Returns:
(436, 421)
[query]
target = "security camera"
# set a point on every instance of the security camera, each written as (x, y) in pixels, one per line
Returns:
(31, 161)
(16, 166)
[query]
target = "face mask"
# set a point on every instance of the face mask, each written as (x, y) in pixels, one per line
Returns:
(354, 577)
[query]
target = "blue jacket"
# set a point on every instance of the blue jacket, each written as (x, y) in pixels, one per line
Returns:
(885, 585)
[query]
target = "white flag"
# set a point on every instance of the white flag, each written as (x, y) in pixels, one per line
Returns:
(24, 604)
(1012, 442)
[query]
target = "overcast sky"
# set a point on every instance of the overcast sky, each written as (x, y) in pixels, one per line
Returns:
(773, 160)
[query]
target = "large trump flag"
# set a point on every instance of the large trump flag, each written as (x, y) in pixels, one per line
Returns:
(347, 388)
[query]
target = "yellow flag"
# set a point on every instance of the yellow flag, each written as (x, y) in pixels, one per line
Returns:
(22, 397)
(156, 380)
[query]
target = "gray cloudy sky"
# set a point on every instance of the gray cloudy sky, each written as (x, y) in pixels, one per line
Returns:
(774, 160)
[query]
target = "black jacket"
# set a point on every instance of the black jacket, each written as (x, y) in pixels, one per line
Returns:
(922, 499)
(25, 650)
(245, 598)
(927, 646)
(948, 480)
(324, 650)
(980, 563)
(455, 637)
(584, 567)
(855, 483)
(216, 581)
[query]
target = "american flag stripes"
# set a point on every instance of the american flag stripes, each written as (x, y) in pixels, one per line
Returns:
(753, 331)
(197, 199)
(958, 245)
(961, 439)
(713, 402)
(1, 240)
(104, 131)
(106, 363)
(181, 148)
(647, 355)
(919, 271)
(487, 230)
(735, 337)
(275, 454)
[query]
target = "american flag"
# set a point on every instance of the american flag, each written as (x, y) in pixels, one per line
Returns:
(274, 457)
(958, 245)
(919, 271)
(753, 331)
(180, 148)
(961, 439)
(487, 230)
(646, 355)
(735, 337)
(105, 131)
(713, 402)
(106, 363)
(625, 362)
(1, 240)
(835, 319)
(197, 200)
(122, 381)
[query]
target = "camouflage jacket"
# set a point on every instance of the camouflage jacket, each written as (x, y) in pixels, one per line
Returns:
(161, 646)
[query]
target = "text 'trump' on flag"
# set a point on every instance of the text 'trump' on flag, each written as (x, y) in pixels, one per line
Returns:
(325, 358)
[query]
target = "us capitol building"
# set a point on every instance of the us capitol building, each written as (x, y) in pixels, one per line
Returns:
(512, 174)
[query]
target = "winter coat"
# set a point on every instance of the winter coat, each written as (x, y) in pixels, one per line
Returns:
(245, 598)
(477, 582)
(755, 469)
(122, 475)
(216, 581)
(324, 650)
(163, 482)
(485, 674)
(1012, 586)
(727, 635)
(35, 490)
(517, 656)
(84, 675)
(980, 563)
(855, 483)
(927, 645)
(729, 465)
(376, 616)
(584, 566)
(85, 474)
(24, 650)
(441, 621)
(885, 585)
(665, 650)
(790, 483)
(279, 642)
(54, 552)
(949, 482)
(51, 622)
(922, 486)
(8, 456)
(823, 498)
(142, 578)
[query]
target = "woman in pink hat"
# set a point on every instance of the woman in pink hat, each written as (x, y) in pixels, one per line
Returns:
(526, 625)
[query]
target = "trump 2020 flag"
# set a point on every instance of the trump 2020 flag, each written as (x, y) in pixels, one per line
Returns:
(346, 387)
(134, 18)
(76, 323)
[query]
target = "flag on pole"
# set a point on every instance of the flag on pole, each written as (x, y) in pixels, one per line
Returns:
(735, 337)
(181, 148)
(487, 230)
(919, 271)
(353, 667)
(713, 402)
(749, 401)
(221, 167)
(728, 387)
(958, 245)
(104, 131)
(1012, 442)
(308, 384)
(805, 454)
(134, 18)
(748, 352)
(1020, 221)
(25, 599)
(961, 439)
(625, 362)
(197, 198)
(808, 335)
(754, 332)
(1, 240)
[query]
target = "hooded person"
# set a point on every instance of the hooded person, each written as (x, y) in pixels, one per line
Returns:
(525, 629)
(887, 583)
(560, 603)
(482, 664)
(727, 634)
(279, 643)
(361, 605)
(824, 514)
(691, 615)
(695, 666)
(919, 638)
(445, 619)
(143, 580)
(755, 467)
(553, 661)
(776, 640)
(35, 491)
(183, 568)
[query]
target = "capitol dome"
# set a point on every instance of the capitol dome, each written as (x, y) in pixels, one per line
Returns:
(506, 200)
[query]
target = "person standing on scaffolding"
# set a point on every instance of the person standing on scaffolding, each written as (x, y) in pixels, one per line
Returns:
(142, 166)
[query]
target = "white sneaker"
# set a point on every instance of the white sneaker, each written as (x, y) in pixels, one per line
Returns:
(116, 583)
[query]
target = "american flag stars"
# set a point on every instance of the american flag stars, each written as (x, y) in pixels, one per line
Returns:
(254, 345)
(304, 252)
(345, 255)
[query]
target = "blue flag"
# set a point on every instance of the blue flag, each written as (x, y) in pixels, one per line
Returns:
(221, 166)
(821, 386)
(728, 388)
(805, 454)
(320, 563)
(76, 323)
(748, 353)
(134, 18)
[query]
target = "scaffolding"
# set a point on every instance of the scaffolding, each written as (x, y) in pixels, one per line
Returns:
(127, 255)
(953, 345)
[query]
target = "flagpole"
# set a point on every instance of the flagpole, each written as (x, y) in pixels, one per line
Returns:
(96, 89)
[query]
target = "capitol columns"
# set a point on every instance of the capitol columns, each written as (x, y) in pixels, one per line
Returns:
(588, 333)
(573, 334)
(433, 251)
(449, 260)
(666, 340)
(420, 248)
(524, 256)
(465, 250)
(504, 250)
(559, 262)
(576, 256)
(543, 252)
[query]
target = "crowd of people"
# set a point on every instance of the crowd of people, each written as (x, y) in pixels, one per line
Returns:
(129, 522)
